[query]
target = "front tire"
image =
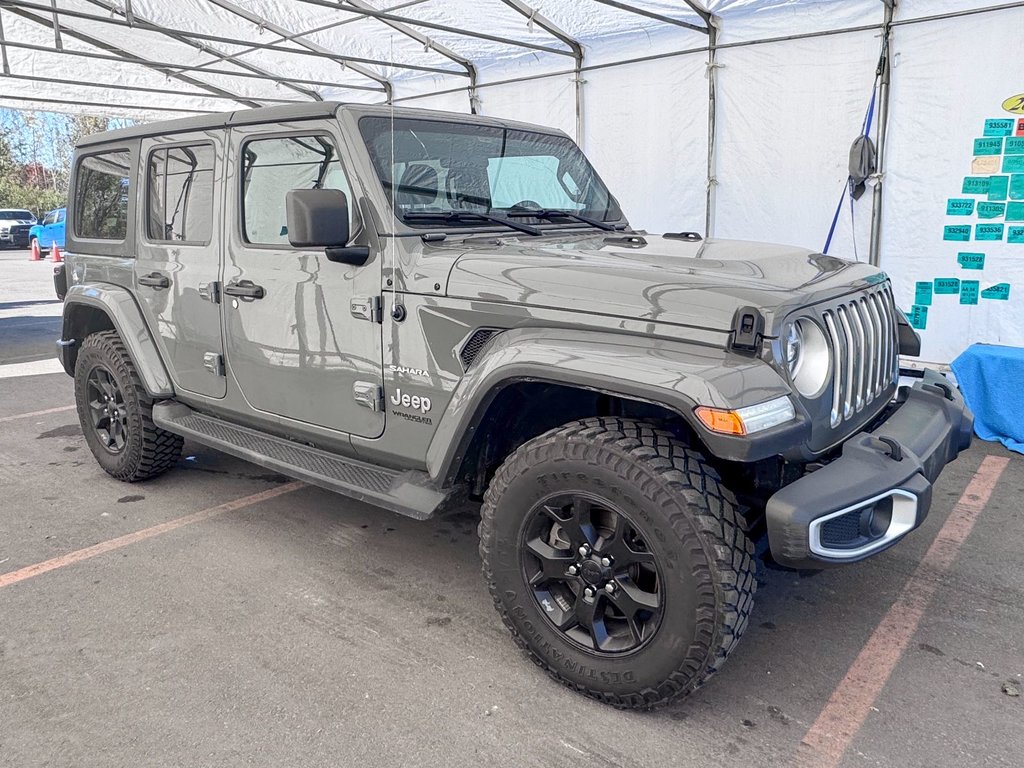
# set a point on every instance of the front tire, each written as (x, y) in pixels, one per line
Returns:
(116, 412)
(616, 558)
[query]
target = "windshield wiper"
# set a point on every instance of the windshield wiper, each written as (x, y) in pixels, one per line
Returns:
(554, 213)
(456, 216)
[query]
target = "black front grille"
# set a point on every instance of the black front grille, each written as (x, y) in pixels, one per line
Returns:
(842, 531)
(475, 343)
(20, 230)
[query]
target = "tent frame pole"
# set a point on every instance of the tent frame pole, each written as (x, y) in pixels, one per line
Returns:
(657, 16)
(3, 48)
(150, 89)
(187, 40)
(103, 105)
(384, 16)
(535, 17)
(298, 39)
(120, 53)
(170, 68)
(875, 255)
(712, 181)
(199, 40)
(429, 44)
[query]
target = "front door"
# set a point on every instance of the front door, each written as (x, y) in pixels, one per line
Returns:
(178, 258)
(56, 230)
(294, 345)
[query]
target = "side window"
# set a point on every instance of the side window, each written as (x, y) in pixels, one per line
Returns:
(101, 196)
(49, 218)
(271, 167)
(179, 194)
(59, 216)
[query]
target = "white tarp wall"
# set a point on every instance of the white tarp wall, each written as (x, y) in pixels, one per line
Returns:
(787, 112)
(793, 80)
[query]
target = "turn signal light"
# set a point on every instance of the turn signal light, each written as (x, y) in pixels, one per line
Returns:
(747, 421)
(717, 420)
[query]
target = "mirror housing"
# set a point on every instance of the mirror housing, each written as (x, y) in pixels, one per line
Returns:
(317, 218)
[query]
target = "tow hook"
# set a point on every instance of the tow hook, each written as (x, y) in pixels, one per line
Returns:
(939, 387)
(895, 450)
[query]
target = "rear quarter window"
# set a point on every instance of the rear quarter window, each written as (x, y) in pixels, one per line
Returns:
(101, 196)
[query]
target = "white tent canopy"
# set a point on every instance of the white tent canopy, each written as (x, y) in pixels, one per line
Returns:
(730, 117)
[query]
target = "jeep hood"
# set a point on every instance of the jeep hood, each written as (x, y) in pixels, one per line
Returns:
(664, 280)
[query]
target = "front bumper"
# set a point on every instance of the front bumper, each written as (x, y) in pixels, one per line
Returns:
(879, 489)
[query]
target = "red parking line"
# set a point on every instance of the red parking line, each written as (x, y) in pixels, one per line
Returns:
(852, 700)
(36, 413)
(79, 555)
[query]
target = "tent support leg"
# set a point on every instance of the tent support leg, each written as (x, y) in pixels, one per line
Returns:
(712, 182)
(875, 255)
(3, 48)
(578, 82)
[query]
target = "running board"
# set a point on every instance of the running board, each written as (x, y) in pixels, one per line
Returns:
(406, 492)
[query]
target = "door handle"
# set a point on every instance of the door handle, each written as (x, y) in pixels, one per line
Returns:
(155, 280)
(247, 289)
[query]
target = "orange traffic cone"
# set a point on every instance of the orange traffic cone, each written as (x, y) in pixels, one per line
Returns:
(55, 254)
(36, 255)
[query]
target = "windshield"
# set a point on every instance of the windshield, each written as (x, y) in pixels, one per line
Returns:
(15, 215)
(438, 167)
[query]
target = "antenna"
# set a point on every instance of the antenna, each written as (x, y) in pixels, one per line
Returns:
(394, 199)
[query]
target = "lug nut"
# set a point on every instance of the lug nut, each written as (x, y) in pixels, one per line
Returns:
(573, 570)
(589, 592)
(610, 587)
(606, 561)
(584, 550)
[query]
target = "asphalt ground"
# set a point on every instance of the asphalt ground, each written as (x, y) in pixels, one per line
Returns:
(286, 626)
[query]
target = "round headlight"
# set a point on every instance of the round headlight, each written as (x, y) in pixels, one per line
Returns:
(807, 356)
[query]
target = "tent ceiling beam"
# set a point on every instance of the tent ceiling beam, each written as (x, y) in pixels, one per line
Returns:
(119, 107)
(430, 45)
(187, 39)
(120, 53)
(652, 15)
(198, 39)
(323, 28)
(533, 16)
(174, 67)
(148, 89)
(298, 39)
(701, 11)
(384, 16)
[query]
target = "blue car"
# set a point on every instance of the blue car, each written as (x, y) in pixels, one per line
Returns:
(50, 230)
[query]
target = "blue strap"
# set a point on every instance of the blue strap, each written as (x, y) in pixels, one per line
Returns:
(871, 109)
(865, 131)
(835, 219)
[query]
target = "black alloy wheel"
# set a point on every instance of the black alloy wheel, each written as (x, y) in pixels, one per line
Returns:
(116, 412)
(108, 409)
(591, 573)
(617, 559)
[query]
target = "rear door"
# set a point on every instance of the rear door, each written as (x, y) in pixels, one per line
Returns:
(178, 258)
(299, 350)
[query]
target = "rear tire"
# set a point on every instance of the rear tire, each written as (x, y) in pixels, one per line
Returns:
(677, 595)
(116, 412)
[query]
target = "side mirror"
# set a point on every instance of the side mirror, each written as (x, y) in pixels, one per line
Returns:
(317, 218)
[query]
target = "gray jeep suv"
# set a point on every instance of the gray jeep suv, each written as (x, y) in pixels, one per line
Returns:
(415, 308)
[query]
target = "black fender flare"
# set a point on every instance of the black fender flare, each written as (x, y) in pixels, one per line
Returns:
(125, 315)
(675, 375)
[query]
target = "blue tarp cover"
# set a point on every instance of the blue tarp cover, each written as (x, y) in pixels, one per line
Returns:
(991, 379)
